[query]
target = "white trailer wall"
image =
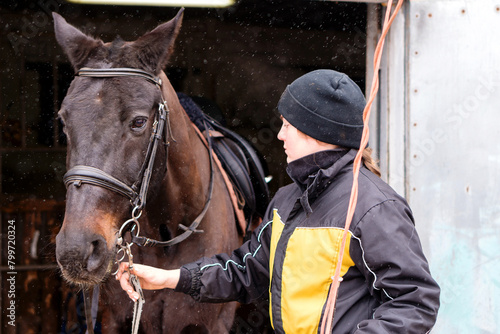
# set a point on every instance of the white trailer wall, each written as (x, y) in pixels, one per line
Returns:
(437, 134)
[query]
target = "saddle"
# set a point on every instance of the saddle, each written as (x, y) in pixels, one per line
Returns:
(245, 167)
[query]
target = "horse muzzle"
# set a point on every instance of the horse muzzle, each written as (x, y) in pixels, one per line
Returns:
(84, 258)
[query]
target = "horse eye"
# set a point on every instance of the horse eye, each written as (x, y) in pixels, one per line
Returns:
(138, 123)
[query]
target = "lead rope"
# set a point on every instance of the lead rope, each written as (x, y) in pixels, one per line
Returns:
(326, 322)
(134, 281)
(124, 248)
(131, 226)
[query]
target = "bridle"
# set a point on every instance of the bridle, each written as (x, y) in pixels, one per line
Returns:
(137, 192)
(85, 174)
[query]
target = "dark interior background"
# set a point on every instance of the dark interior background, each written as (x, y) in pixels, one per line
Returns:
(241, 58)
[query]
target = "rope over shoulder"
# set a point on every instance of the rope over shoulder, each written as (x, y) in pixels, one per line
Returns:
(328, 316)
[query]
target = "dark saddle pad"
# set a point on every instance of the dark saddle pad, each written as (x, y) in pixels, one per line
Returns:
(244, 165)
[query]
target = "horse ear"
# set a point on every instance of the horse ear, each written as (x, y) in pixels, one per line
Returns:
(75, 44)
(155, 47)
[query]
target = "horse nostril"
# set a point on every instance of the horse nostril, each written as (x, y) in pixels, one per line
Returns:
(94, 243)
(96, 254)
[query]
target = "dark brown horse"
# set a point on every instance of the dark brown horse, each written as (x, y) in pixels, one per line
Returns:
(108, 123)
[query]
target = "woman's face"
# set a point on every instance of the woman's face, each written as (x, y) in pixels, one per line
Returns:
(298, 144)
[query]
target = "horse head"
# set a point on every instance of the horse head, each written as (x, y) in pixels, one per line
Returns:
(108, 124)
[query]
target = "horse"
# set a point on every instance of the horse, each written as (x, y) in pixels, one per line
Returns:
(110, 117)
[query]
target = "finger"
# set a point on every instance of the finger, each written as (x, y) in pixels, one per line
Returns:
(121, 269)
(124, 281)
(136, 269)
(127, 287)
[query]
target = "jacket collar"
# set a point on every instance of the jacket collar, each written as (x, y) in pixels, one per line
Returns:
(313, 173)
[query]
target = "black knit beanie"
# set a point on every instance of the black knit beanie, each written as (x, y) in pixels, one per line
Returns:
(326, 105)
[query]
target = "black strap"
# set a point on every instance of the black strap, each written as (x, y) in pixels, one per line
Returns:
(156, 136)
(91, 303)
(193, 228)
(85, 174)
(117, 72)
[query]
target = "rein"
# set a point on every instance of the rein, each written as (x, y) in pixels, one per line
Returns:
(137, 192)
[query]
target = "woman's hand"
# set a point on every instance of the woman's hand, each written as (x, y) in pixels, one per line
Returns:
(151, 278)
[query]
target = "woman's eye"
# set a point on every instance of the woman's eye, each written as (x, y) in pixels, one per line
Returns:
(138, 123)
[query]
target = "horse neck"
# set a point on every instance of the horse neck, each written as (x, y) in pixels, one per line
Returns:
(185, 186)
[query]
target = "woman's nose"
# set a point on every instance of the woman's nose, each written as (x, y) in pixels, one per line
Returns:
(280, 134)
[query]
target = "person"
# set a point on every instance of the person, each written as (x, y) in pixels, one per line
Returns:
(291, 257)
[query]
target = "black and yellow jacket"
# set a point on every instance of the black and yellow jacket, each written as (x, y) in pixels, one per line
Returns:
(291, 257)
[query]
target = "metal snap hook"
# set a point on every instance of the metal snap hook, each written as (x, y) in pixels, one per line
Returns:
(130, 256)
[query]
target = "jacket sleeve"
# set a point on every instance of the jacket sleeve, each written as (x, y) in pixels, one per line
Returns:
(243, 276)
(390, 256)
